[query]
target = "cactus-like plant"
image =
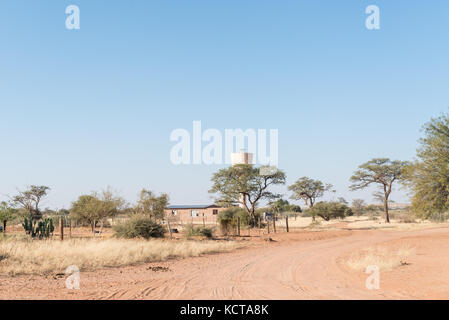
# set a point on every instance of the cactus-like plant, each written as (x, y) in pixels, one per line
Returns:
(29, 224)
(43, 230)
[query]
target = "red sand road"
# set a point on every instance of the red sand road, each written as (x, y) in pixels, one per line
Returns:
(304, 265)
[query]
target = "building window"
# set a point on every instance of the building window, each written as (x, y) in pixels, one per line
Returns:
(215, 211)
(174, 212)
(195, 213)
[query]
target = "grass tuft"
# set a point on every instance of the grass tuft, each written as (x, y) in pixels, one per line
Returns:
(381, 257)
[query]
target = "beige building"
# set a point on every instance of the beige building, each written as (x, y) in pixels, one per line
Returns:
(194, 213)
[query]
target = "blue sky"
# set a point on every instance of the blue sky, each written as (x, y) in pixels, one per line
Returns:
(84, 109)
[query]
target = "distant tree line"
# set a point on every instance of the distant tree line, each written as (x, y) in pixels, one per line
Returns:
(427, 178)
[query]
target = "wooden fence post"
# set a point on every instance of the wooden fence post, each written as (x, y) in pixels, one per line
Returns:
(238, 226)
(204, 223)
(274, 223)
(169, 228)
(268, 224)
(286, 222)
(61, 229)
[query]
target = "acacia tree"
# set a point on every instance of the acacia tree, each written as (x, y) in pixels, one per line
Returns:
(308, 190)
(246, 185)
(109, 205)
(31, 198)
(96, 208)
(7, 213)
(380, 171)
(85, 210)
(428, 177)
(151, 205)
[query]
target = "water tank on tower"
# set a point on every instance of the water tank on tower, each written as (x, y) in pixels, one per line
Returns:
(241, 158)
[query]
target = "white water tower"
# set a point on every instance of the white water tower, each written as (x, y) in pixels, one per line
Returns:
(241, 158)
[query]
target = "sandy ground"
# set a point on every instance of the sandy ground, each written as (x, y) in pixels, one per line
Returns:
(299, 265)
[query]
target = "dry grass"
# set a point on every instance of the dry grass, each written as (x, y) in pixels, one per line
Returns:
(304, 222)
(384, 258)
(20, 256)
(366, 223)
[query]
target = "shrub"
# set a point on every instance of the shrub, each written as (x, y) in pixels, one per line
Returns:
(330, 210)
(199, 231)
(314, 224)
(405, 218)
(358, 207)
(374, 209)
(402, 217)
(139, 227)
(348, 212)
(306, 213)
(227, 219)
(438, 217)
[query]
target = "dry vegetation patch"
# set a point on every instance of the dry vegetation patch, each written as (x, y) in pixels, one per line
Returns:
(51, 257)
(385, 258)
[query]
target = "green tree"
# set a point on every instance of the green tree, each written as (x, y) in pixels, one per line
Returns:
(246, 185)
(7, 213)
(110, 205)
(308, 190)
(96, 208)
(382, 172)
(85, 210)
(281, 206)
(428, 176)
(151, 205)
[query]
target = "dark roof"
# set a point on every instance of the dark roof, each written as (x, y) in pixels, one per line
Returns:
(204, 206)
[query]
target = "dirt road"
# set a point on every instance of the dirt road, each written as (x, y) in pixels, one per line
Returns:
(295, 266)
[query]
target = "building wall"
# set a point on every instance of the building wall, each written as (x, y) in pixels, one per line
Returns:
(184, 216)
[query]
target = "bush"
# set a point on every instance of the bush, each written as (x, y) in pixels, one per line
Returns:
(358, 207)
(374, 209)
(139, 227)
(307, 213)
(330, 210)
(405, 218)
(227, 219)
(402, 217)
(314, 224)
(199, 231)
(438, 217)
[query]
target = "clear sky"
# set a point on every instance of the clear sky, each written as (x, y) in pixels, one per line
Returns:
(84, 109)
